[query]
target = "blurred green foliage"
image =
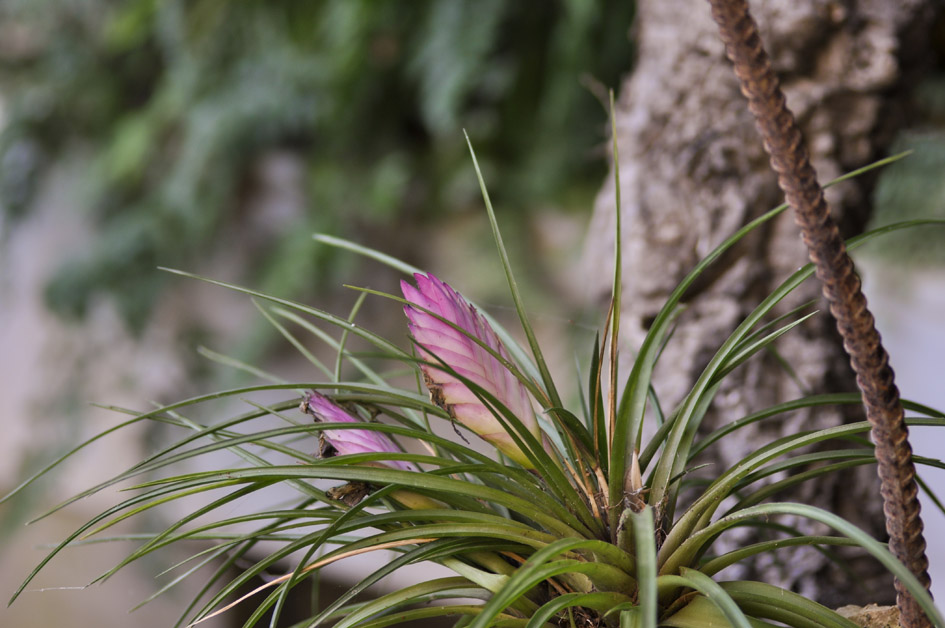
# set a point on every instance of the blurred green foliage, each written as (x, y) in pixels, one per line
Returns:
(914, 187)
(170, 106)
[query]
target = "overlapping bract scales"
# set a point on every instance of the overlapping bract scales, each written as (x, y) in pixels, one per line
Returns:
(439, 341)
(350, 441)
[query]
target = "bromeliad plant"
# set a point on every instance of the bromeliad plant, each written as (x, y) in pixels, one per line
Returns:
(576, 521)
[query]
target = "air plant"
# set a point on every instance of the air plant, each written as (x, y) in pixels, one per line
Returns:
(574, 521)
(580, 521)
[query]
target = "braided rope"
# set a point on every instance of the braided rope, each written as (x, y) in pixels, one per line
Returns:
(841, 287)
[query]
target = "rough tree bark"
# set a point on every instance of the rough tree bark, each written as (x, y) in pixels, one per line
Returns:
(693, 170)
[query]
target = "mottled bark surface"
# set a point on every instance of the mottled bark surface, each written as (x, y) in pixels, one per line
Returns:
(693, 170)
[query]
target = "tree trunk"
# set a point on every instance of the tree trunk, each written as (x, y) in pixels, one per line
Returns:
(693, 171)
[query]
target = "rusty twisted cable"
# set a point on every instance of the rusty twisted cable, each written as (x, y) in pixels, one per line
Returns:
(841, 286)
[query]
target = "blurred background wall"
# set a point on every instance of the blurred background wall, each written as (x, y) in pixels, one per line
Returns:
(217, 137)
(692, 170)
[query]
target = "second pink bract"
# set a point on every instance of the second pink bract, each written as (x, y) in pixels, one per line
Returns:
(351, 441)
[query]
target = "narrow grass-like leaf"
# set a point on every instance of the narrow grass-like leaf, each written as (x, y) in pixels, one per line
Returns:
(529, 576)
(700, 612)
(339, 359)
(369, 373)
(415, 555)
(781, 408)
(513, 288)
(308, 542)
(644, 546)
(210, 558)
(676, 448)
(675, 452)
(423, 481)
(247, 541)
(741, 354)
(379, 341)
(157, 461)
(617, 286)
(596, 419)
(809, 401)
(231, 560)
(879, 551)
(493, 580)
(460, 610)
(155, 541)
(484, 464)
(711, 589)
(817, 463)
(453, 587)
(234, 363)
(284, 520)
(771, 602)
(719, 563)
(576, 429)
(923, 485)
(633, 401)
(540, 567)
(62, 458)
(102, 517)
(706, 504)
(374, 254)
(600, 602)
(734, 477)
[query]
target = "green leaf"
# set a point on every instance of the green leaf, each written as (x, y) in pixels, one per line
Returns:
(876, 549)
(781, 408)
(381, 343)
(633, 401)
(540, 567)
(595, 414)
(771, 602)
(374, 254)
(676, 448)
(700, 612)
(62, 458)
(750, 347)
(617, 286)
(600, 602)
(719, 563)
(644, 536)
(424, 481)
(419, 614)
(416, 555)
(295, 342)
(513, 289)
(418, 593)
(715, 593)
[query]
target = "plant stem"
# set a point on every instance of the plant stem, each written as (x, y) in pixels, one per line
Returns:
(841, 287)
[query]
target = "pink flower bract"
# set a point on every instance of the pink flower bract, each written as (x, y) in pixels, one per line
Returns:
(469, 360)
(351, 441)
